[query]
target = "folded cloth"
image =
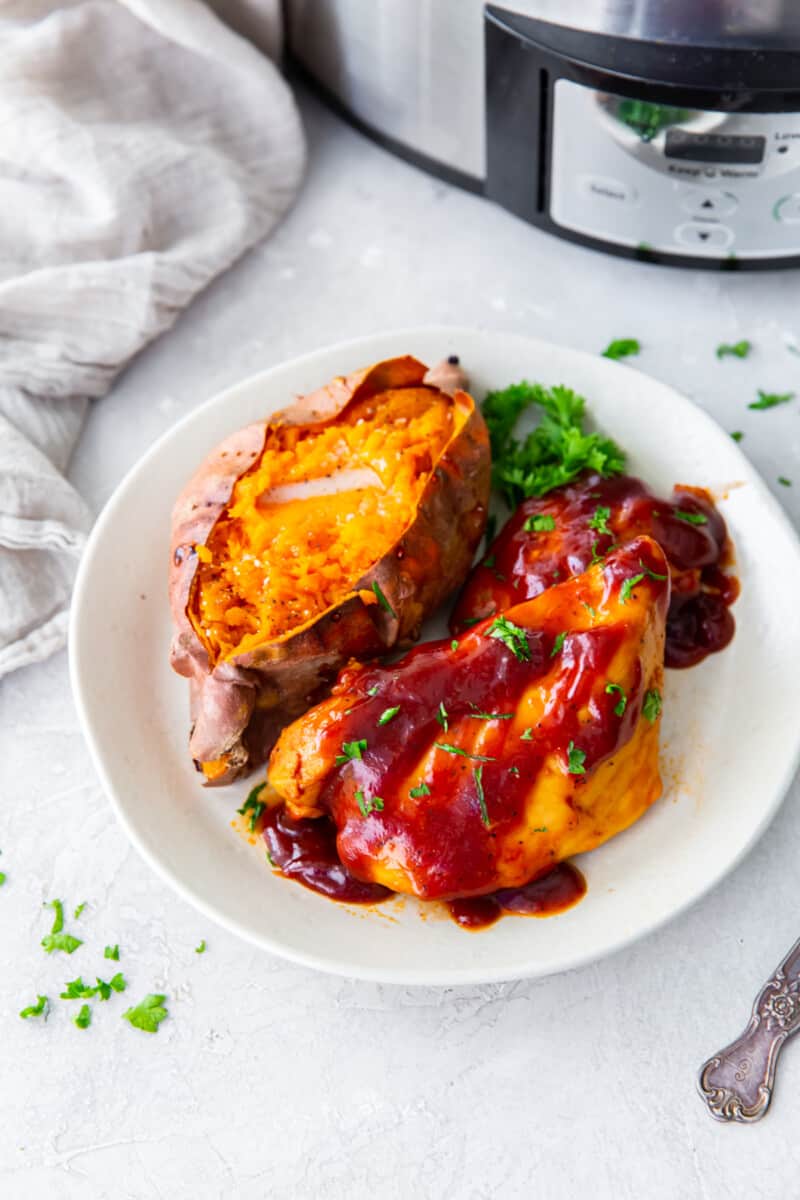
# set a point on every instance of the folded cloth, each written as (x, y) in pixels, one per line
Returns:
(143, 147)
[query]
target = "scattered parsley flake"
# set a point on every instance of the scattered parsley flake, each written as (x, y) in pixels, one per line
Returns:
(628, 585)
(621, 348)
(557, 644)
(454, 644)
(477, 773)
(575, 760)
(39, 1009)
(513, 770)
(442, 715)
(691, 518)
(784, 481)
(58, 919)
(771, 399)
(367, 806)
(487, 716)
(540, 829)
(596, 558)
(468, 621)
(84, 1017)
(271, 860)
(512, 636)
(737, 435)
(527, 736)
(2, 878)
(79, 910)
(388, 714)
(464, 753)
(372, 691)
(555, 452)
(421, 790)
(651, 709)
(76, 989)
(622, 703)
(489, 561)
(201, 949)
(592, 612)
(599, 520)
(148, 1014)
(253, 806)
(384, 603)
(117, 982)
(540, 523)
(61, 941)
(734, 349)
(111, 952)
(350, 751)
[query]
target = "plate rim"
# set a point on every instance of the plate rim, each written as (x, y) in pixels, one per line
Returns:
(400, 976)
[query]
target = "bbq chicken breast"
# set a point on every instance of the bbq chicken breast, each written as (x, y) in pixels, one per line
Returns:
(479, 763)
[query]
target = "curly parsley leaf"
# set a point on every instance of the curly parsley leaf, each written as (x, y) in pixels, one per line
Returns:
(148, 1013)
(771, 399)
(76, 989)
(556, 451)
(350, 751)
(477, 773)
(622, 703)
(734, 349)
(39, 1009)
(651, 709)
(540, 523)
(512, 636)
(575, 760)
(621, 348)
(599, 520)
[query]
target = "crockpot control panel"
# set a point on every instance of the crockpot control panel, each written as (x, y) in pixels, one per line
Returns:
(674, 180)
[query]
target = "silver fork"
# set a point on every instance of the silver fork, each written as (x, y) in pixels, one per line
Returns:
(737, 1082)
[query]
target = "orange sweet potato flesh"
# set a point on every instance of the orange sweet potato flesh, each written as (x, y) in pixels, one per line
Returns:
(330, 531)
(495, 765)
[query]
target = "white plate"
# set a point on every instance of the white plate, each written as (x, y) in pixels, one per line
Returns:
(731, 733)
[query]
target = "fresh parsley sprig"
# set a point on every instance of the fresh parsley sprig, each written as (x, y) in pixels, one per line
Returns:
(512, 636)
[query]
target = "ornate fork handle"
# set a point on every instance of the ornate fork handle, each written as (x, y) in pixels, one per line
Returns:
(737, 1082)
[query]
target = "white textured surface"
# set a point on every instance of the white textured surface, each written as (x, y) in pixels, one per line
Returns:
(268, 1079)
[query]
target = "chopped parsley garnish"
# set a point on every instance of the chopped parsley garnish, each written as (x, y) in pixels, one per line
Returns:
(441, 716)
(468, 621)
(372, 691)
(384, 603)
(575, 760)
(111, 952)
(734, 349)
(596, 558)
(784, 481)
(512, 636)
(621, 348)
(84, 1017)
(201, 949)
(367, 805)
(477, 773)
(148, 1014)
(737, 435)
(599, 520)
(628, 585)
(253, 806)
(540, 523)
(351, 750)
(540, 829)
(557, 644)
(76, 989)
(270, 859)
(488, 561)
(621, 705)
(651, 709)
(39, 1009)
(79, 910)
(691, 518)
(591, 611)
(421, 790)
(771, 399)
(56, 939)
(454, 644)
(555, 452)
(513, 770)
(486, 716)
(464, 753)
(387, 715)
(2, 878)
(527, 736)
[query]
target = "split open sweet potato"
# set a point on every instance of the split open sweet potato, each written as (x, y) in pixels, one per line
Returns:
(329, 531)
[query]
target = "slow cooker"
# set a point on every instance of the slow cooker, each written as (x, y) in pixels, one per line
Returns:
(667, 130)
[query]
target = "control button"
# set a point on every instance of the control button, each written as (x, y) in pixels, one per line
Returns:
(608, 189)
(715, 237)
(705, 202)
(788, 209)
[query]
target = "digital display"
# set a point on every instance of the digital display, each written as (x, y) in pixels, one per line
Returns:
(715, 147)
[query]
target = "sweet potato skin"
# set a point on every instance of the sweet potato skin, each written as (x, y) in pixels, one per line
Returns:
(239, 706)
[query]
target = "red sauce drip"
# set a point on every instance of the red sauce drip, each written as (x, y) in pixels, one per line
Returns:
(306, 852)
(552, 893)
(525, 562)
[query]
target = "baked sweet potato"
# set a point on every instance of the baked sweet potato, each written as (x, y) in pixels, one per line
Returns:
(329, 531)
(478, 765)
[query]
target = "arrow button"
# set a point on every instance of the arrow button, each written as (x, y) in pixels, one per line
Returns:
(709, 237)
